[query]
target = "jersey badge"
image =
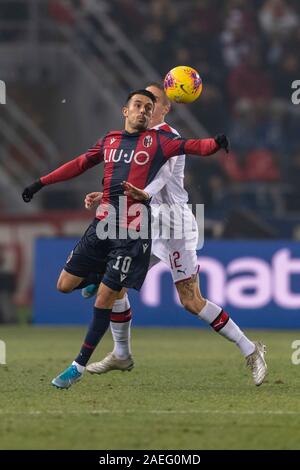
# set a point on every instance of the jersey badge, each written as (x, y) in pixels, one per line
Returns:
(147, 141)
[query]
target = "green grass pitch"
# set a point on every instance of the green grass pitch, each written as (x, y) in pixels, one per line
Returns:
(190, 389)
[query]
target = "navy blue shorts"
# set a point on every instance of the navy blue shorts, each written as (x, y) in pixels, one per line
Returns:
(123, 263)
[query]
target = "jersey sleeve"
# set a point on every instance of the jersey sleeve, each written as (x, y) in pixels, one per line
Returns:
(162, 178)
(202, 147)
(173, 145)
(78, 165)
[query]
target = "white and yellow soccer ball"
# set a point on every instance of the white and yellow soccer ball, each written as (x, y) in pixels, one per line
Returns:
(183, 84)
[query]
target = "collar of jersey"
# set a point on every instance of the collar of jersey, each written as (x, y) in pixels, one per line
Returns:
(132, 134)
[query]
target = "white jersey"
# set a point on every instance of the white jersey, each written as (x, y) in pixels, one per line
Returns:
(167, 189)
(168, 185)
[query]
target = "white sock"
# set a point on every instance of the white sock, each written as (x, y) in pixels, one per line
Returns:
(79, 367)
(226, 327)
(209, 312)
(121, 336)
(246, 346)
(121, 330)
(233, 333)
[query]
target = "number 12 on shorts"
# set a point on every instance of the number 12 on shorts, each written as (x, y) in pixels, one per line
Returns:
(174, 260)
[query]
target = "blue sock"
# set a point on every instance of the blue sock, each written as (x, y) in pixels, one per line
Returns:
(96, 330)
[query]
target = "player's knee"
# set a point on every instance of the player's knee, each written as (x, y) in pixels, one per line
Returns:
(63, 286)
(106, 297)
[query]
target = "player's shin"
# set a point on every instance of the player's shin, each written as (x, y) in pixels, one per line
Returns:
(120, 322)
(96, 330)
(220, 321)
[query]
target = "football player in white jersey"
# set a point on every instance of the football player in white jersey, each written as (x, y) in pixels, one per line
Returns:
(180, 255)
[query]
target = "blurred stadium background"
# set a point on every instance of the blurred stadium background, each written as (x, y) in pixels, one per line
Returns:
(69, 64)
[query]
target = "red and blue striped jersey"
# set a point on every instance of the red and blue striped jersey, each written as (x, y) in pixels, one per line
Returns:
(133, 157)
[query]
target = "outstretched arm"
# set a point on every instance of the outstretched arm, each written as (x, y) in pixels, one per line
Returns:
(203, 147)
(67, 171)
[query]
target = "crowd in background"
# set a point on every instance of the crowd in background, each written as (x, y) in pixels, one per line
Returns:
(247, 53)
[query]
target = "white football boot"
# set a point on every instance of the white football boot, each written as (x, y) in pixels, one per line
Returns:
(256, 362)
(110, 362)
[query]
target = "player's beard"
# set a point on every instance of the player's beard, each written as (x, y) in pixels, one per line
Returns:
(141, 125)
(136, 124)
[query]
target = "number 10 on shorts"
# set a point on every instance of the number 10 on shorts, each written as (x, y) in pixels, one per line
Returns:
(124, 265)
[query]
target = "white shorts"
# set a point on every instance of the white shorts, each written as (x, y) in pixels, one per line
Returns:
(179, 254)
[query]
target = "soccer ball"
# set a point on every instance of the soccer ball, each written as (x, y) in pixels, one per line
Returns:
(183, 84)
